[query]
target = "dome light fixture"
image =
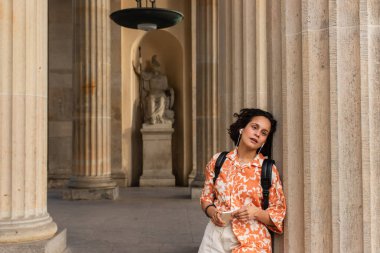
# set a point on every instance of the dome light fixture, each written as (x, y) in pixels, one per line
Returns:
(146, 18)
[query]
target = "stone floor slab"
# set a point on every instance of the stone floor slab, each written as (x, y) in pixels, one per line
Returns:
(143, 219)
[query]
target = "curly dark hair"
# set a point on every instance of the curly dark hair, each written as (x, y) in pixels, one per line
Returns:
(244, 117)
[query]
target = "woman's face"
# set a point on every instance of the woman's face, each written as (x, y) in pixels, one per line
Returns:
(255, 133)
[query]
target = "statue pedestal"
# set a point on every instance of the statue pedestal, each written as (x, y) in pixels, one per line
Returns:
(157, 155)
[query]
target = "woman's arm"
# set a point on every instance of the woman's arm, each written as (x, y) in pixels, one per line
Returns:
(208, 195)
(274, 215)
(253, 212)
(213, 214)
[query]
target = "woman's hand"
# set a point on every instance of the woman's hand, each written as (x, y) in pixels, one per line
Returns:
(215, 218)
(246, 213)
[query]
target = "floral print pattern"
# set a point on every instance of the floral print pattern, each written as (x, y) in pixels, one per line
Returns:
(239, 185)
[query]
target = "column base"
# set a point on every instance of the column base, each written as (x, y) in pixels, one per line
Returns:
(90, 182)
(196, 187)
(120, 178)
(54, 183)
(91, 193)
(56, 244)
(191, 177)
(157, 181)
(27, 230)
(195, 192)
(157, 178)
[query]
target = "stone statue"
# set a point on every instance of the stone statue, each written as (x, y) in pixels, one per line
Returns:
(156, 96)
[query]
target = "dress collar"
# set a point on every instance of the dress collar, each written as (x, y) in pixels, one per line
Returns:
(257, 162)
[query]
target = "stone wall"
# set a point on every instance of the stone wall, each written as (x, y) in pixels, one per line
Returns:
(60, 36)
(118, 172)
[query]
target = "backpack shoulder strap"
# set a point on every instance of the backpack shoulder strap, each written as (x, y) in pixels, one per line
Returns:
(218, 164)
(266, 180)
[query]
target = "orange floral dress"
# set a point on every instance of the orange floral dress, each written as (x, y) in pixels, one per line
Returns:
(239, 185)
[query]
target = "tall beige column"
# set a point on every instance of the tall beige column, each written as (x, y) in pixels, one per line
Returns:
(91, 84)
(331, 91)
(327, 54)
(347, 174)
(261, 54)
(23, 128)
(231, 71)
(206, 90)
(316, 126)
(225, 75)
(242, 61)
(274, 87)
(292, 125)
(194, 45)
(370, 79)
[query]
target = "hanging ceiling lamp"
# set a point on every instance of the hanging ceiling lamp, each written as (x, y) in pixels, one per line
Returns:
(146, 18)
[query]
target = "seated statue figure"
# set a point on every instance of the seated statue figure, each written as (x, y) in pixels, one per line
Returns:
(157, 97)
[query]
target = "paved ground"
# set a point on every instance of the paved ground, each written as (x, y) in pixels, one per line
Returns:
(160, 220)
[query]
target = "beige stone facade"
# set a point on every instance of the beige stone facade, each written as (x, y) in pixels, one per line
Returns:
(313, 64)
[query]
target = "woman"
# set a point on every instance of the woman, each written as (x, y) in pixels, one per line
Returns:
(238, 190)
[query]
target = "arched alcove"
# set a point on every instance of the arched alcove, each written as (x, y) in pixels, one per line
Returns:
(170, 55)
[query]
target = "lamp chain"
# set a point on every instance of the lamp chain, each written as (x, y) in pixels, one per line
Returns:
(153, 2)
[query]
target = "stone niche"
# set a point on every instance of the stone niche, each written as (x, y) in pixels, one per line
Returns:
(169, 54)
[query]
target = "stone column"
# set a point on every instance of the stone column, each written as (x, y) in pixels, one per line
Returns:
(261, 54)
(292, 125)
(23, 128)
(242, 61)
(194, 45)
(331, 91)
(327, 54)
(347, 176)
(370, 79)
(206, 125)
(316, 126)
(91, 85)
(274, 88)
(231, 71)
